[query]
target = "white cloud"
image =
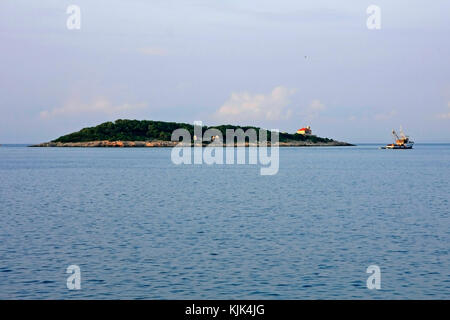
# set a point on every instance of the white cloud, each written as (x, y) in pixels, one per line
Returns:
(153, 51)
(445, 115)
(314, 109)
(98, 106)
(316, 105)
(247, 106)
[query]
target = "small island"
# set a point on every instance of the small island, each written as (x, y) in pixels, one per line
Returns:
(147, 133)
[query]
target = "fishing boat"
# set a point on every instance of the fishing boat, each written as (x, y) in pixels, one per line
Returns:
(402, 141)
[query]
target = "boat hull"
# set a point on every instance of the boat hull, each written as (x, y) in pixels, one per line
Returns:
(393, 146)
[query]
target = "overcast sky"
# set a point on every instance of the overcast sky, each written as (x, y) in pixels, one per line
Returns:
(276, 64)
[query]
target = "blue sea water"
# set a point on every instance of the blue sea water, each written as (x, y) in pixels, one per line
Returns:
(141, 227)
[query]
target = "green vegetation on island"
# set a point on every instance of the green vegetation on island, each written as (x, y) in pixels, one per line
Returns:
(147, 130)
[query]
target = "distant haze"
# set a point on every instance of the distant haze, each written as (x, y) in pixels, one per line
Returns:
(275, 64)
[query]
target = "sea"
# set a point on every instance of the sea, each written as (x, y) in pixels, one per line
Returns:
(139, 226)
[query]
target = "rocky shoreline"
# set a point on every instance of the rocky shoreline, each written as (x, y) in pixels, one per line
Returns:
(169, 144)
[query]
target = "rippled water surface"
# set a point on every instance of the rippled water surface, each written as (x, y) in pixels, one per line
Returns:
(141, 227)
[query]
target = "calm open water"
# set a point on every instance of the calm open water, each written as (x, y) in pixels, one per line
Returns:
(141, 227)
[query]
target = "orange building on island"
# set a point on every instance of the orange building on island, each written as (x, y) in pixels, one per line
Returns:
(305, 131)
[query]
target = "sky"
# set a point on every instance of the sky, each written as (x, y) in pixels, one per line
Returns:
(281, 64)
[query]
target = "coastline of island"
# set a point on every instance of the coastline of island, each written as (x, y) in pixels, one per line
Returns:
(170, 144)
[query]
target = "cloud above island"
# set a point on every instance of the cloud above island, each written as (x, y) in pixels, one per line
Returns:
(259, 106)
(98, 106)
(314, 109)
